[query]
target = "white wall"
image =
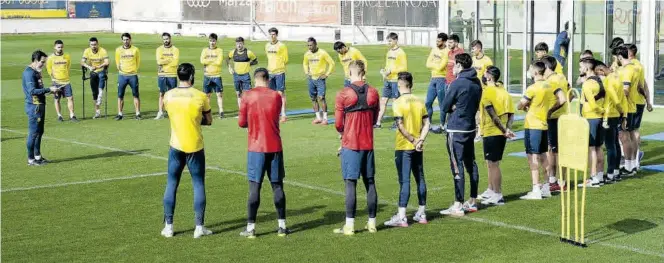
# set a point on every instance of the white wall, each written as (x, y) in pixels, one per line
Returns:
(56, 25)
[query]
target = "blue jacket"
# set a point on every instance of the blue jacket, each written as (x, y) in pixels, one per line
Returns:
(33, 87)
(465, 93)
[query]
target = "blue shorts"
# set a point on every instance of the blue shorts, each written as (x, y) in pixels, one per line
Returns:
(390, 90)
(357, 163)
(211, 84)
(278, 82)
(346, 83)
(317, 88)
(494, 147)
(552, 134)
(638, 116)
(260, 163)
(123, 81)
(535, 141)
(66, 90)
(242, 82)
(596, 138)
(166, 83)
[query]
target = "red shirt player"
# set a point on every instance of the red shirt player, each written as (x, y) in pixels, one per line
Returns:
(453, 46)
(356, 110)
(259, 112)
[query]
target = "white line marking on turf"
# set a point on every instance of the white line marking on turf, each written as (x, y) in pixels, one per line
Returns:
(82, 182)
(302, 185)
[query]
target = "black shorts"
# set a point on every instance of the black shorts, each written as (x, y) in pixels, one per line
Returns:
(596, 138)
(494, 146)
(552, 134)
(536, 141)
(638, 116)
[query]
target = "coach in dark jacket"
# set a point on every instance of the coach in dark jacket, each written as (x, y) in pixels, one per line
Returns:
(462, 102)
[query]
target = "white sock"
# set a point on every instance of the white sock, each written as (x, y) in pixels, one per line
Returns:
(372, 220)
(628, 165)
(318, 115)
(536, 188)
(59, 115)
(98, 111)
(199, 228)
(71, 115)
(37, 157)
(325, 115)
(421, 210)
(120, 113)
(552, 179)
(138, 113)
(282, 223)
(350, 221)
(160, 113)
(600, 176)
(251, 226)
(170, 226)
(401, 212)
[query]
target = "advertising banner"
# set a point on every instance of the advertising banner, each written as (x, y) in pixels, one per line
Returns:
(216, 10)
(89, 9)
(299, 12)
(21, 9)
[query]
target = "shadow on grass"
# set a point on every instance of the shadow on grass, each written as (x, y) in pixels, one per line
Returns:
(620, 229)
(101, 155)
(11, 138)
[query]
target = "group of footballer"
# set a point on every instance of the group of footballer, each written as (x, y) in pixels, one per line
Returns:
(473, 103)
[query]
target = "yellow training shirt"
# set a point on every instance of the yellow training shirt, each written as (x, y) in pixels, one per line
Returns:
(277, 57)
(481, 64)
(501, 101)
(395, 62)
(437, 62)
(318, 63)
(241, 60)
(542, 98)
(185, 107)
(558, 81)
(411, 110)
(592, 98)
(95, 59)
(615, 101)
(168, 59)
(640, 100)
(211, 60)
(559, 68)
(351, 54)
(128, 60)
(58, 67)
(629, 75)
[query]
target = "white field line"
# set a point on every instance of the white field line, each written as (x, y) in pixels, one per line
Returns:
(340, 193)
(83, 182)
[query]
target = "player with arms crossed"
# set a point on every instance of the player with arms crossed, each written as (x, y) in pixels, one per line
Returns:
(211, 58)
(168, 58)
(412, 129)
(395, 62)
(347, 55)
(128, 60)
(58, 66)
(239, 62)
(317, 65)
(356, 109)
(187, 109)
(95, 59)
(259, 113)
(496, 118)
(540, 102)
(277, 58)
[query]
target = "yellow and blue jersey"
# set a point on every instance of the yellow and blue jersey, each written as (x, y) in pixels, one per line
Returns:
(592, 98)
(395, 62)
(317, 63)
(437, 62)
(277, 57)
(168, 59)
(411, 110)
(211, 60)
(501, 102)
(58, 67)
(95, 59)
(615, 101)
(629, 75)
(542, 98)
(351, 54)
(128, 60)
(186, 107)
(481, 64)
(641, 99)
(558, 81)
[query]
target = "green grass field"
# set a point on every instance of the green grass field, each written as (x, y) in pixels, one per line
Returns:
(101, 198)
